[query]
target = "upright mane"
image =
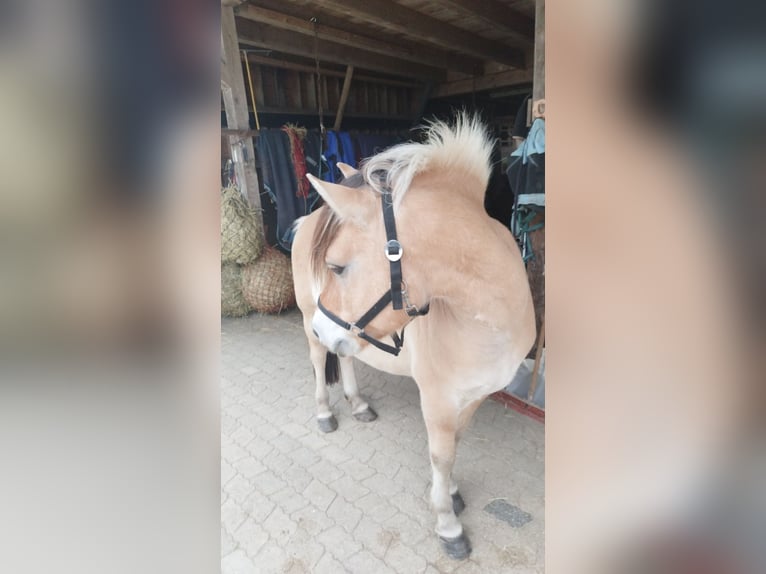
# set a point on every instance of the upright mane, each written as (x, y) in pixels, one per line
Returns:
(463, 147)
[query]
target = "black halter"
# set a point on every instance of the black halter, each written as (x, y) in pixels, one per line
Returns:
(397, 295)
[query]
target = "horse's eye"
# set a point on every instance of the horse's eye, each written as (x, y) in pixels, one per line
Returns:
(337, 269)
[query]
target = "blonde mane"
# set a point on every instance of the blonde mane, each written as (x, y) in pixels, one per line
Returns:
(463, 147)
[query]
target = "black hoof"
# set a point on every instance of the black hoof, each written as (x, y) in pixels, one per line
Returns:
(366, 416)
(458, 504)
(456, 548)
(328, 424)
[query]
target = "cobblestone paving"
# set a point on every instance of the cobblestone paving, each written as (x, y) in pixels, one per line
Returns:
(294, 500)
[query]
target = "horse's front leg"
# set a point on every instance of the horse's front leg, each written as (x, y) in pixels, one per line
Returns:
(442, 423)
(319, 360)
(359, 407)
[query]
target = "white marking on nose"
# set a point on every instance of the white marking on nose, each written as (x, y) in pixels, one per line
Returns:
(333, 336)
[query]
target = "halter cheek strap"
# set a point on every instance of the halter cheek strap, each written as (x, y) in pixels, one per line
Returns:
(397, 295)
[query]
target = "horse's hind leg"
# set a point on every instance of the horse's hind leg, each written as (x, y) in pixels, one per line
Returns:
(359, 407)
(442, 420)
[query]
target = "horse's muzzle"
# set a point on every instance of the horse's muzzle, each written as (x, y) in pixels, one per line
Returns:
(336, 339)
(344, 348)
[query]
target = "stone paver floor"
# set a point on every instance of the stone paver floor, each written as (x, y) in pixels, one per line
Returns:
(295, 500)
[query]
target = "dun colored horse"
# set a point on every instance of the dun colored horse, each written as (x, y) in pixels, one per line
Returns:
(406, 242)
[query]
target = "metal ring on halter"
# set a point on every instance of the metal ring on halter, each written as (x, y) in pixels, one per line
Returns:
(391, 245)
(355, 330)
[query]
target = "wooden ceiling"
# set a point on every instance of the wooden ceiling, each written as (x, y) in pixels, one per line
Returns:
(455, 46)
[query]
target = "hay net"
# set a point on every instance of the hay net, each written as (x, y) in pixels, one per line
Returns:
(267, 283)
(233, 302)
(242, 239)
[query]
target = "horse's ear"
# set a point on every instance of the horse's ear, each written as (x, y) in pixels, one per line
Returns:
(346, 169)
(347, 202)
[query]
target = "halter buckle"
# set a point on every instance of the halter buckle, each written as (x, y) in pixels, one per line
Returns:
(355, 330)
(394, 250)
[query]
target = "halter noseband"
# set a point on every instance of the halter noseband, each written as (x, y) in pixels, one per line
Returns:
(397, 295)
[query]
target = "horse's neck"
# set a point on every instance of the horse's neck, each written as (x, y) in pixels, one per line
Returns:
(483, 295)
(475, 279)
(477, 271)
(464, 314)
(453, 344)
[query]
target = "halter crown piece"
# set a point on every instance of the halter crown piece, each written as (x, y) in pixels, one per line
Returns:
(397, 295)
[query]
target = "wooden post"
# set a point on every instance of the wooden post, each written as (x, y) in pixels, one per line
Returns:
(343, 97)
(235, 103)
(538, 94)
(538, 82)
(538, 355)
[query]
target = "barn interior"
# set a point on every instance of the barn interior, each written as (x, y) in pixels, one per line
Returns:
(337, 71)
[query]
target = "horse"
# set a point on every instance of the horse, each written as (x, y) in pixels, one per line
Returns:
(405, 243)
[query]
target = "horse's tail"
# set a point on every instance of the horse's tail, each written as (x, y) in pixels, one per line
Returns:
(331, 375)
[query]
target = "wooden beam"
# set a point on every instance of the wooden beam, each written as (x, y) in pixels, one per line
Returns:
(481, 83)
(259, 12)
(343, 97)
(538, 86)
(265, 111)
(235, 104)
(241, 133)
(280, 63)
(261, 35)
(499, 15)
(405, 20)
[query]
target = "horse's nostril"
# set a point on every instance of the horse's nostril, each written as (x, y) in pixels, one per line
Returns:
(315, 333)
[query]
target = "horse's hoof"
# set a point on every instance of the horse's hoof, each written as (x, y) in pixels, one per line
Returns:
(328, 424)
(458, 504)
(366, 416)
(457, 548)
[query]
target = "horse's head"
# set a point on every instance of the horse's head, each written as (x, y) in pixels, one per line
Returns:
(436, 189)
(351, 266)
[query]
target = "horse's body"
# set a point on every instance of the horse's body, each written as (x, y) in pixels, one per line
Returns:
(457, 262)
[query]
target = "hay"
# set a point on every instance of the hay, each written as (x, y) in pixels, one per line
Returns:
(268, 282)
(233, 302)
(242, 239)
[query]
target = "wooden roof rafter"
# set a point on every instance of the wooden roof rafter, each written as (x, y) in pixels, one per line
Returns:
(454, 46)
(482, 83)
(414, 24)
(264, 36)
(276, 61)
(327, 27)
(500, 15)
